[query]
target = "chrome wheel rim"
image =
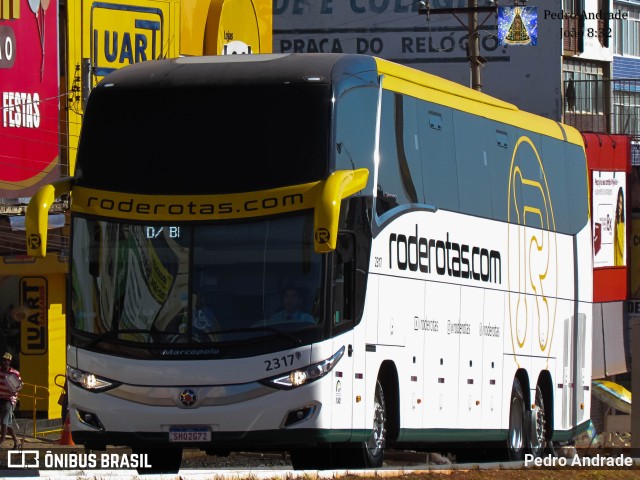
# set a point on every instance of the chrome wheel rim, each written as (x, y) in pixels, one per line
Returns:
(540, 426)
(377, 440)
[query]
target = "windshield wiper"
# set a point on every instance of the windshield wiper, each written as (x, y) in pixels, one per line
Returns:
(113, 334)
(277, 331)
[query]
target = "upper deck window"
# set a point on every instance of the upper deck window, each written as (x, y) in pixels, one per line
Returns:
(207, 139)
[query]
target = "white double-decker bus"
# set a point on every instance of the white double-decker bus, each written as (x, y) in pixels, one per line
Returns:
(322, 253)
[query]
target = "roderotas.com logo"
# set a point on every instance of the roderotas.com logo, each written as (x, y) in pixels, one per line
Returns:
(111, 460)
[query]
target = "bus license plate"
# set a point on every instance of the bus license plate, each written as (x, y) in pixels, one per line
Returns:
(190, 434)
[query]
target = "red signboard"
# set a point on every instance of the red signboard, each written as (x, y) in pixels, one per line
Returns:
(29, 96)
(609, 161)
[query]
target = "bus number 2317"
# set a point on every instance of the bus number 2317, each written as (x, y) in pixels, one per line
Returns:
(276, 363)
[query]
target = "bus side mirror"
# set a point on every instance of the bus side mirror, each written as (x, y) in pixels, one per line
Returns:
(338, 186)
(37, 218)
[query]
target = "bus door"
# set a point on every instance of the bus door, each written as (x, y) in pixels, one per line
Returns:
(470, 366)
(342, 320)
(573, 370)
(492, 340)
(567, 370)
(412, 357)
(442, 350)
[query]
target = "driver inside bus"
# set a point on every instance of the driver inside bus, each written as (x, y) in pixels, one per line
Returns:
(290, 312)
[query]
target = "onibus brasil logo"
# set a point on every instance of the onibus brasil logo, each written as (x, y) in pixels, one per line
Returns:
(48, 459)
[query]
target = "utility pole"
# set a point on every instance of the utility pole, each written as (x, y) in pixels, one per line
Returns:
(476, 62)
(474, 46)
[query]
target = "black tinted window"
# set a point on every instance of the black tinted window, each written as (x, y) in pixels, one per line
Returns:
(205, 139)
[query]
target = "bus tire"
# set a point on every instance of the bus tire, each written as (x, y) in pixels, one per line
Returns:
(539, 431)
(370, 453)
(516, 433)
(161, 460)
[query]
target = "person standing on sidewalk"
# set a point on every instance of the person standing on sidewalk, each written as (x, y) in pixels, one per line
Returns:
(10, 385)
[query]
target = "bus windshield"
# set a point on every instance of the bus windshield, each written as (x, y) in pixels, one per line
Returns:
(138, 284)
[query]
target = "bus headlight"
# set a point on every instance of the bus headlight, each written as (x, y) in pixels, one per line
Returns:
(88, 381)
(303, 376)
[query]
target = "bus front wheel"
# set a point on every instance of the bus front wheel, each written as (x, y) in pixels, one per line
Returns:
(370, 453)
(516, 435)
(367, 454)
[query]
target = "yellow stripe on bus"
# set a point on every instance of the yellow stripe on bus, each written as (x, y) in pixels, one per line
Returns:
(173, 208)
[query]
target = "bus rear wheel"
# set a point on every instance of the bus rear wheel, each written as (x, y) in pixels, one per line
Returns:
(516, 434)
(539, 431)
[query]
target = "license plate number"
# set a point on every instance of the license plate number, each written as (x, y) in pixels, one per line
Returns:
(189, 435)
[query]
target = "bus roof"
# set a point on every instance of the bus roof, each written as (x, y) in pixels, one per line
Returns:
(235, 69)
(442, 91)
(440, 84)
(327, 68)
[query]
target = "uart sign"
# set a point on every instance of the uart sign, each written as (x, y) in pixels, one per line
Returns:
(125, 34)
(33, 320)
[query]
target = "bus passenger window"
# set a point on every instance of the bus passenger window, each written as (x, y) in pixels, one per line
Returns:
(385, 201)
(399, 170)
(355, 131)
